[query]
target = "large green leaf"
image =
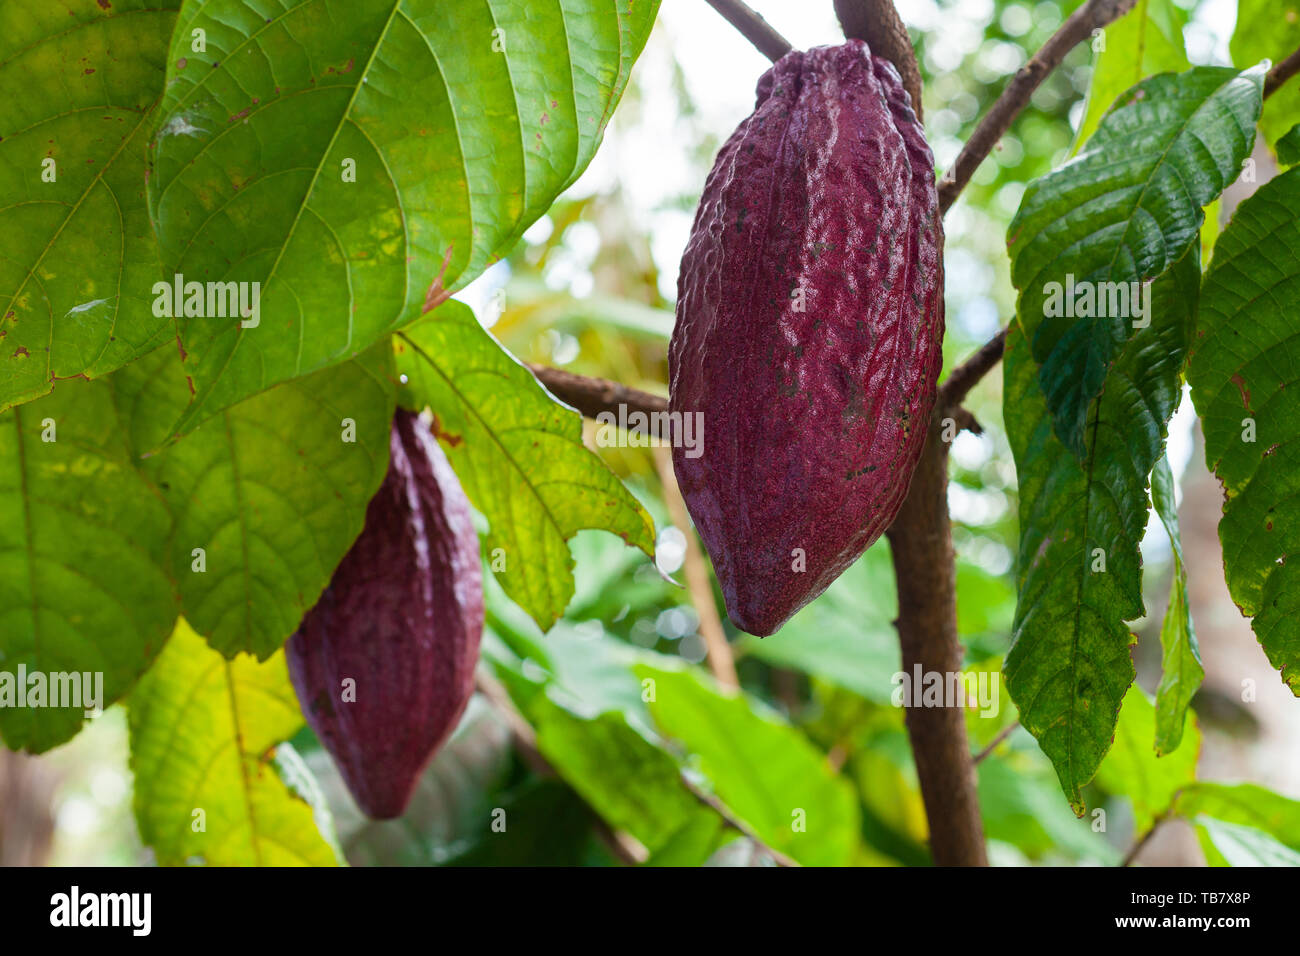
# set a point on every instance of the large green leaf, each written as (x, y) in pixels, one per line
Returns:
(203, 735)
(464, 119)
(1270, 29)
(1133, 769)
(1145, 41)
(763, 769)
(1069, 666)
(77, 255)
(269, 489)
(83, 581)
(1123, 211)
(1181, 672)
(519, 456)
(1244, 372)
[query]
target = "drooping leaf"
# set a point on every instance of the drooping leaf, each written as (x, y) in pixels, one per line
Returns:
(1270, 29)
(1145, 41)
(519, 456)
(354, 158)
(1181, 672)
(1134, 769)
(268, 496)
(1123, 211)
(79, 82)
(1231, 844)
(203, 737)
(84, 588)
(1244, 371)
(1081, 524)
(763, 769)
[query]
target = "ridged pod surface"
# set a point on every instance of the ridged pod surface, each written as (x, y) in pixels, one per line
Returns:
(402, 617)
(809, 325)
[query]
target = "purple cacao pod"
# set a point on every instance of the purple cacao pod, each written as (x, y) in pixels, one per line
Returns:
(809, 326)
(401, 618)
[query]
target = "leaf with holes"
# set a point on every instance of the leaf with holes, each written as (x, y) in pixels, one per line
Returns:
(268, 496)
(519, 456)
(1080, 572)
(77, 253)
(1244, 373)
(203, 737)
(357, 160)
(84, 591)
(1123, 211)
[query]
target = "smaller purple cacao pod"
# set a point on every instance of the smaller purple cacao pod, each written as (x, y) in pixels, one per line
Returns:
(401, 618)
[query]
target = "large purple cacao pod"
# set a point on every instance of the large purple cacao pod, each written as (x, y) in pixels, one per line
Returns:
(401, 618)
(809, 325)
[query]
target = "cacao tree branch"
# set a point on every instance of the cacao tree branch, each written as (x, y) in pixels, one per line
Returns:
(1136, 848)
(1280, 73)
(753, 28)
(591, 396)
(925, 571)
(878, 23)
(1077, 27)
(966, 375)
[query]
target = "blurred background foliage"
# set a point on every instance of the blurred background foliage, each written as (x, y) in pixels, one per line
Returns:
(591, 289)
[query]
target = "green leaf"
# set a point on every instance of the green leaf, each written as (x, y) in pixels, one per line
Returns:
(519, 456)
(203, 735)
(1133, 768)
(1181, 672)
(633, 784)
(583, 698)
(694, 843)
(1288, 147)
(83, 581)
(1270, 29)
(77, 255)
(1231, 844)
(1247, 804)
(464, 119)
(269, 489)
(1243, 374)
(763, 769)
(1069, 665)
(1123, 211)
(1146, 41)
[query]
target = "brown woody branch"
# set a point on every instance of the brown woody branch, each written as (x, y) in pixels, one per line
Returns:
(1281, 73)
(591, 396)
(753, 27)
(878, 23)
(966, 375)
(1078, 27)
